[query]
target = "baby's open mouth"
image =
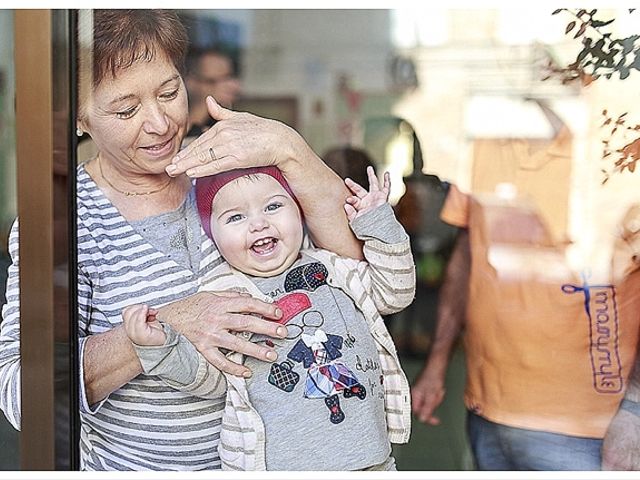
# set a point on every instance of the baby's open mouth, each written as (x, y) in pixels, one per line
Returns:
(264, 246)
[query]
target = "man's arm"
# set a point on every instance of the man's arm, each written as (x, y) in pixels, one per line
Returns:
(621, 446)
(428, 391)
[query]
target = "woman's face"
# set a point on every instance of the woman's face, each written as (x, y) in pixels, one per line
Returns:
(138, 119)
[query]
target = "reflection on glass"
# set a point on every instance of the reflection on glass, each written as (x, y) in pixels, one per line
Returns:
(524, 157)
(527, 154)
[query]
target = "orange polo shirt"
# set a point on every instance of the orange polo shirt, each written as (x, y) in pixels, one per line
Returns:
(546, 349)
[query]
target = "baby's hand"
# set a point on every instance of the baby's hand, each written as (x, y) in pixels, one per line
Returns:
(363, 201)
(142, 327)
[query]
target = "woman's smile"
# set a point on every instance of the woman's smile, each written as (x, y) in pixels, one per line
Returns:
(160, 150)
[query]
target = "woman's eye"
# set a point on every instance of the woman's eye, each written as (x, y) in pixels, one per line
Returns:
(272, 207)
(170, 95)
(128, 113)
(234, 218)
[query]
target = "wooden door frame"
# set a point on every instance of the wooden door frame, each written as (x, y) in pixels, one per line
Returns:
(45, 154)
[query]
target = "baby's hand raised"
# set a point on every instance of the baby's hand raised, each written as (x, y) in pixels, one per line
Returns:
(142, 327)
(362, 200)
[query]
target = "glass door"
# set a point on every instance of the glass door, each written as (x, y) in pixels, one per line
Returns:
(40, 377)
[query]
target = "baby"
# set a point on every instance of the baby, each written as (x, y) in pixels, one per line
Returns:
(337, 396)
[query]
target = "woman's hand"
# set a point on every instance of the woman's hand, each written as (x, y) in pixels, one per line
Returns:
(241, 140)
(209, 321)
(237, 140)
(362, 200)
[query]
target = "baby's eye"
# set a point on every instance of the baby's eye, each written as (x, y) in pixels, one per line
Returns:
(272, 207)
(234, 218)
(128, 113)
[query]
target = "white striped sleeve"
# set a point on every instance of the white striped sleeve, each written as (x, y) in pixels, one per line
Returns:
(10, 338)
(388, 274)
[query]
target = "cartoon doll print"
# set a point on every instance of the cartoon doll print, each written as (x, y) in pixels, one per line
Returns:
(316, 350)
(326, 376)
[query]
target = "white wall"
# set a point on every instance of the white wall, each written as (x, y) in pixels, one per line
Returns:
(303, 53)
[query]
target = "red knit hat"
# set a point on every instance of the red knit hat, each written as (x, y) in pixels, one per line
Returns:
(208, 187)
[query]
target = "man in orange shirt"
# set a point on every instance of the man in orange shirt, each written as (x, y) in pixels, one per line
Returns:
(548, 353)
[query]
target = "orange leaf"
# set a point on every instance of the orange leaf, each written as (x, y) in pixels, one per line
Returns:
(587, 79)
(632, 150)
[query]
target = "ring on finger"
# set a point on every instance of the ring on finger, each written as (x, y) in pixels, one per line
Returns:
(212, 154)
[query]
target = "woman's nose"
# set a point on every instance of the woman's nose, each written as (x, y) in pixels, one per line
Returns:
(156, 121)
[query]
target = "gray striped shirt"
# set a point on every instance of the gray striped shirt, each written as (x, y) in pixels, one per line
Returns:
(145, 425)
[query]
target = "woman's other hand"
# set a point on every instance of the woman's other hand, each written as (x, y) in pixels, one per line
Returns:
(209, 321)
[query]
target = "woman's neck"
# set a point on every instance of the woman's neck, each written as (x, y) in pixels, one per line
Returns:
(139, 197)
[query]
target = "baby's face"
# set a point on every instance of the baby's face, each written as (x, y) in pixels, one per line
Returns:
(256, 225)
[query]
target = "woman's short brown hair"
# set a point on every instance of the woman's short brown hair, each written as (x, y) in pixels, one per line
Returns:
(123, 37)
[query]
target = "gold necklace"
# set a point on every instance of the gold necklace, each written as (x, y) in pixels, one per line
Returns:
(129, 194)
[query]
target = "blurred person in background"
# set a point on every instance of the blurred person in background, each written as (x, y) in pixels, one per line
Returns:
(349, 162)
(432, 241)
(210, 71)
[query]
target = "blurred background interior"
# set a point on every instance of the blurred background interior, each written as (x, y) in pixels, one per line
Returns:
(434, 96)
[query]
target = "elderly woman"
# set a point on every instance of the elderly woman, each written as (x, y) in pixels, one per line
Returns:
(139, 240)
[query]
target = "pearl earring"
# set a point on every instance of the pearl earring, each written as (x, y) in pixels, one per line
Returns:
(79, 132)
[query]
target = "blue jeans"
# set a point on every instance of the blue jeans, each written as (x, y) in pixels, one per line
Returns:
(499, 447)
